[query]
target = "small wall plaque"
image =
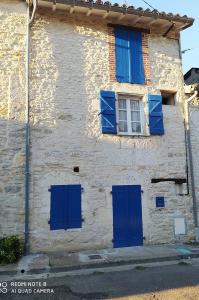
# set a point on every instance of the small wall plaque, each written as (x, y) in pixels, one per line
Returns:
(160, 202)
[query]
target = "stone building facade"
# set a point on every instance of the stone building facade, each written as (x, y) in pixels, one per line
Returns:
(72, 59)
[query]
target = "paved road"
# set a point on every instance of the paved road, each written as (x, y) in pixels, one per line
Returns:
(174, 282)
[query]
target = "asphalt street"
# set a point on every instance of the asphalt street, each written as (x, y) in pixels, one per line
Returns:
(173, 282)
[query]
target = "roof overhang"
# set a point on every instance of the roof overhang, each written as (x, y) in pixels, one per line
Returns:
(157, 22)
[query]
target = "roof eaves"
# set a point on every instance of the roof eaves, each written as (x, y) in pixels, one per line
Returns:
(98, 4)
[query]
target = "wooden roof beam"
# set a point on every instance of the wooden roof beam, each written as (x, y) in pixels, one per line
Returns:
(172, 25)
(151, 22)
(105, 16)
(54, 6)
(121, 17)
(135, 20)
(72, 9)
(89, 12)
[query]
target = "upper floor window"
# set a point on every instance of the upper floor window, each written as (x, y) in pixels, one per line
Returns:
(129, 57)
(126, 116)
(130, 115)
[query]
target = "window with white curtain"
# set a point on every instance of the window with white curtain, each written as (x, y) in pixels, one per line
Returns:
(130, 115)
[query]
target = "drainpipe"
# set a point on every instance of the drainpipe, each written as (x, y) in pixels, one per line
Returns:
(27, 141)
(187, 116)
(27, 127)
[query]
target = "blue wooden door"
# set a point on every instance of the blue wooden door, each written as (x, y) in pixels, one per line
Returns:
(127, 216)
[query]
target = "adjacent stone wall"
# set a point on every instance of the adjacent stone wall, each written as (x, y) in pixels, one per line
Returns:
(194, 131)
(12, 112)
(69, 66)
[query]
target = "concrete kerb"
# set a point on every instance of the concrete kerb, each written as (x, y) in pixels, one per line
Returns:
(28, 270)
(119, 263)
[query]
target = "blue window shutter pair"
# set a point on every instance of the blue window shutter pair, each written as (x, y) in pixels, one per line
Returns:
(156, 124)
(129, 58)
(108, 112)
(65, 210)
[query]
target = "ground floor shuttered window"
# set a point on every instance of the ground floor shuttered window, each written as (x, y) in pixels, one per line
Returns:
(65, 207)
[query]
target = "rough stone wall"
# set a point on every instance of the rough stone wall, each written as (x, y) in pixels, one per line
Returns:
(70, 65)
(12, 113)
(194, 131)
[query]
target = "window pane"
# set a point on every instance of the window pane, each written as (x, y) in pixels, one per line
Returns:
(136, 127)
(122, 104)
(122, 126)
(135, 116)
(123, 115)
(135, 105)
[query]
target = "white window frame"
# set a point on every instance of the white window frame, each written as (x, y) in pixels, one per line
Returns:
(142, 118)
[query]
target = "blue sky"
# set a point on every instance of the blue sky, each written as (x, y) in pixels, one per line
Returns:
(190, 36)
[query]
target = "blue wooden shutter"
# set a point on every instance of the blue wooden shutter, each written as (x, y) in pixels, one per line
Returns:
(155, 115)
(108, 113)
(74, 206)
(127, 216)
(129, 57)
(122, 53)
(136, 58)
(65, 210)
(58, 208)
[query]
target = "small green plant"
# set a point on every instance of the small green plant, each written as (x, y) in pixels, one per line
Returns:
(10, 249)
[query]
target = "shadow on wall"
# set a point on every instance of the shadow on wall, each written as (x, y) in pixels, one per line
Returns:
(12, 145)
(12, 148)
